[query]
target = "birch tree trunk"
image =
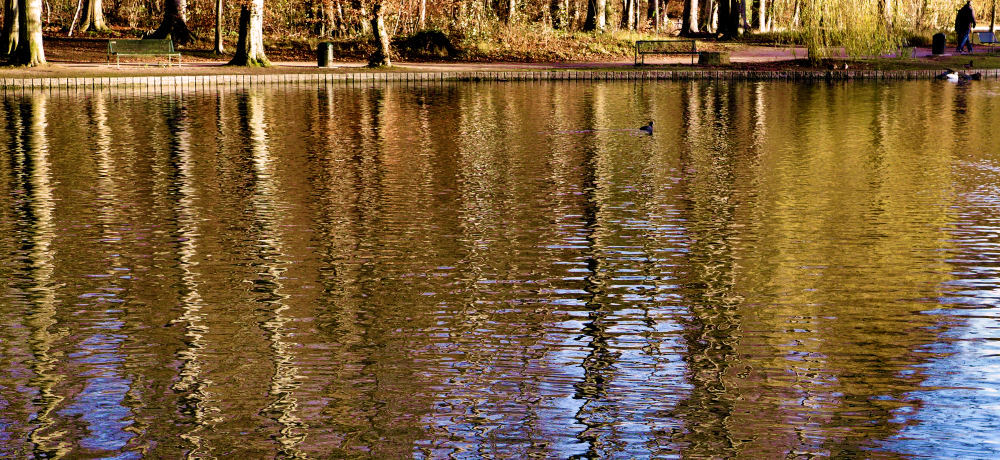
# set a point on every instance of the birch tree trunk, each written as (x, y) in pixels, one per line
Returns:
(29, 50)
(219, 48)
(422, 21)
(250, 44)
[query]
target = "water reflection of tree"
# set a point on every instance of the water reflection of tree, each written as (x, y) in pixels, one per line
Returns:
(193, 385)
(34, 211)
(598, 364)
(709, 161)
(267, 210)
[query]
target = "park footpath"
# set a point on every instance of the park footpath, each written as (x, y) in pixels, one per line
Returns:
(206, 75)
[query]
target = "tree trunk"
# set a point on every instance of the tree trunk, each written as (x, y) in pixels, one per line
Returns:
(422, 21)
(596, 15)
(708, 16)
(723, 25)
(174, 23)
(511, 11)
(689, 19)
(29, 50)
(380, 58)
(657, 17)
(93, 16)
(762, 15)
(219, 48)
(557, 12)
(250, 44)
(10, 28)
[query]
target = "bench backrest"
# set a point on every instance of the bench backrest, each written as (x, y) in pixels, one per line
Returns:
(665, 46)
(145, 46)
(986, 37)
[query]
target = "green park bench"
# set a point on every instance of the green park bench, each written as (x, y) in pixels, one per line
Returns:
(644, 47)
(146, 47)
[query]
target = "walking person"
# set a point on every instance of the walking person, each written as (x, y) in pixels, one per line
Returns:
(965, 20)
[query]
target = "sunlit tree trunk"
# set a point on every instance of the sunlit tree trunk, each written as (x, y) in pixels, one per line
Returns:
(10, 27)
(689, 19)
(219, 48)
(511, 11)
(93, 16)
(422, 15)
(597, 13)
(708, 16)
(762, 15)
(250, 44)
(29, 50)
(174, 23)
(380, 58)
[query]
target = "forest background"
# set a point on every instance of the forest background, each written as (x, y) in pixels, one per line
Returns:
(495, 30)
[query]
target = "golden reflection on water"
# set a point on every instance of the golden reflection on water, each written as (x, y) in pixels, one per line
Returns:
(499, 271)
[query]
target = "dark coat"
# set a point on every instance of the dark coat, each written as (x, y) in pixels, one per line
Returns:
(965, 19)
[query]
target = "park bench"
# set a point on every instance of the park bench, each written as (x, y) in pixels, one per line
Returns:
(644, 47)
(987, 39)
(146, 47)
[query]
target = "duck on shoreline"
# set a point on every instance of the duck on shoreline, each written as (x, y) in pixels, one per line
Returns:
(956, 76)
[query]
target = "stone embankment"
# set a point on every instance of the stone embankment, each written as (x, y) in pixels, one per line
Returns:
(368, 78)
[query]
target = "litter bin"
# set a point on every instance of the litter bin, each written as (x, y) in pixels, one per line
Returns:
(324, 54)
(937, 44)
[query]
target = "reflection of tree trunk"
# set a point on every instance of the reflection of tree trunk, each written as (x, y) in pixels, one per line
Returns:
(712, 327)
(39, 215)
(250, 45)
(380, 58)
(8, 44)
(174, 23)
(29, 50)
(267, 192)
(93, 17)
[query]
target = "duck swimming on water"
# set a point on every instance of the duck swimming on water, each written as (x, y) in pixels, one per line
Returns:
(648, 129)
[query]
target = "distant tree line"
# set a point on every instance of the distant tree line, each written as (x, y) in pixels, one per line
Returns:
(860, 25)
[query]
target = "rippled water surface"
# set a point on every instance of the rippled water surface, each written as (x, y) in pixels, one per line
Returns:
(502, 271)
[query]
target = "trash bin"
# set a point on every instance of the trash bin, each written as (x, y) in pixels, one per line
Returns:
(937, 44)
(324, 54)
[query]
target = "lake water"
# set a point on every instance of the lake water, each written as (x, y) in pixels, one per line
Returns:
(502, 271)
